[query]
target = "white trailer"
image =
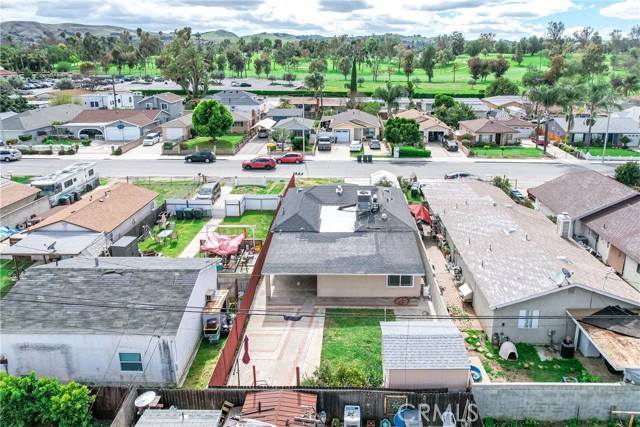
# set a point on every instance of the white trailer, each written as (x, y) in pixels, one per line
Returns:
(77, 178)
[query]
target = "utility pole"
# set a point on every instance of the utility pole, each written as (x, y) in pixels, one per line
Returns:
(113, 86)
(606, 137)
(303, 148)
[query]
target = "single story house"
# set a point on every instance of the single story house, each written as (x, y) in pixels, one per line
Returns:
(237, 100)
(506, 101)
(114, 125)
(632, 113)
(118, 99)
(166, 101)
(488, 130)
(498, 114)
(242, 121)
(353, 125)
(325, 103)
(616, 127)
(297, 125)
(177, 129)
(4, 73)
(418, 354)
(107, 320)
(19, 203)
(39, 123)
(278, 114)
(349, 240)
(50, 246)
(521, 272)
(598, 212)
(431, 127)
(119, 210)
(524, 128)
(476, 105)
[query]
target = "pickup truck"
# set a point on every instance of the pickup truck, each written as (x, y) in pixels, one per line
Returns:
(324, 143)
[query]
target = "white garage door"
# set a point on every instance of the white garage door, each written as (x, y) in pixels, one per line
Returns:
(342, 135)
(125, 134)
(172, 133)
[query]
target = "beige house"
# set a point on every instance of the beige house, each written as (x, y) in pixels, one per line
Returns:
(432, 128)
(488, 130)
(19, 203)
(353, 125)
(242, 121)
(346, 241)
(178, 129)
(424, 354)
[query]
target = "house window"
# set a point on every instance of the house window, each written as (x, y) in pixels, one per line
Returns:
(638, 268)
(528, 319)
(238, 124)
(164, 106)
(131, 362)
(399, 281)
(129, 99)
(94, 104)
(90, 172)
(148, 106)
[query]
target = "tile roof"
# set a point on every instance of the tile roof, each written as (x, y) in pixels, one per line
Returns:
(326, 101)
(486, 126)
(179, 418)
(513, 252)
(355, 116)
(99, 213)
(287, 406)
(135, 117)
(169, 97)
(42, 117)
(619, 225)
(120, 296)
(514, 121)
(11, 192)
(581, 193)
(423, 345)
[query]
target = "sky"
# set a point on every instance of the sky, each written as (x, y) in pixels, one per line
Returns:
(508, 19)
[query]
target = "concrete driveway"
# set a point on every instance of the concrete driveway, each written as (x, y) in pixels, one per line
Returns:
(254, 147)
(437, 152)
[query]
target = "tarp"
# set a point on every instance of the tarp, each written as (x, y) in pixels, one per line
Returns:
(420, 213)
(222, 245)
(264, 123)
(615, 319)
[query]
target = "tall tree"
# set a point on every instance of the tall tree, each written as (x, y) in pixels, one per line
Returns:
(499, 66)
(572, 94)
(457, 43)
(454, 70)
(407, 63)
(353, 85)
(390, 94)
(599, 96)
(502, 86)
(546, 96)
(593, 61)
(428, 61)
(554, 35)
(315, 81)
(212, 119)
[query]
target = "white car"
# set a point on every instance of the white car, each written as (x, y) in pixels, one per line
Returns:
(8, 155)
(356, 146)
(235, 84)
(151, 139)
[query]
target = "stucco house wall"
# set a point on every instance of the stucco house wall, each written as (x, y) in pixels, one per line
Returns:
(363, 286)
(453, 379)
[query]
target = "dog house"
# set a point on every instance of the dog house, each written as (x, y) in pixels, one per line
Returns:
(508, 351)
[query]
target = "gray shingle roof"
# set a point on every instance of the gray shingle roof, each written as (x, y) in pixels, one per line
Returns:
(179, 418)
(355, 116)
(581, 193)
(616, 125)
(511, 251)
(121, 296)
(423, 345)
(285, 112)
(294, 123)
(42, 117)
(234, 97)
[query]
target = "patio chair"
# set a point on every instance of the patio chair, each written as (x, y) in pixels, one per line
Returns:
(174, 235)
(157, 240)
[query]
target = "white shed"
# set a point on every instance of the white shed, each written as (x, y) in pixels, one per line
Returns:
(424, 354)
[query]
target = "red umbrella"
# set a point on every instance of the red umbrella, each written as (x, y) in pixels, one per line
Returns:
(246, 358)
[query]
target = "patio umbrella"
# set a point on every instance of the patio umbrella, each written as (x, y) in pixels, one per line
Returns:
(246, 358)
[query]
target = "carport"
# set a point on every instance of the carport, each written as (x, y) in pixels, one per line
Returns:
(265, 124)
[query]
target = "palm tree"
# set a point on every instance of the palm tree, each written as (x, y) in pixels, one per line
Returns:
(454, 69)
(390, 94)
(315, 81)
(546, 96)
(599, 95)
(572, 93)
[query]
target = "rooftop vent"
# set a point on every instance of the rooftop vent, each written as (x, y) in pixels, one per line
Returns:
(364, 201)
(339, 190)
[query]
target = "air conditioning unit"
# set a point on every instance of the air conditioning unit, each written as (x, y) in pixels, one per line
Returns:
(209, 295)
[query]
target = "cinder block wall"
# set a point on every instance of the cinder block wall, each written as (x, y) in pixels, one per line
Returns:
(554, 401)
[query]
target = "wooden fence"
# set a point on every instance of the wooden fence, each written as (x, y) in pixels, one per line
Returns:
(228, 356)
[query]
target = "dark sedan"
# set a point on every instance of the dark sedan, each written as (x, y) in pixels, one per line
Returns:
(201, 156)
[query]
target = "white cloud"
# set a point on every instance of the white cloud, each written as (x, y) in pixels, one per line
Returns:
(628, 9)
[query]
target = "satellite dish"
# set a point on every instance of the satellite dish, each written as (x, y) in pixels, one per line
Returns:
(566, 273)
(145, 399)
(559, 278)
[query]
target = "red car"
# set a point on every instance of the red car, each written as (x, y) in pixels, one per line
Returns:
(290, 158)
(259, 163)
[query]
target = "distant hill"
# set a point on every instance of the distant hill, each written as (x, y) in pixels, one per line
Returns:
(29, 31)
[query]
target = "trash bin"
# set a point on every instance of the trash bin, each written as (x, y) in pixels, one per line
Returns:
(180, 213)
(415, 189)
(359, 157)
(64, 200)
(188, 213)
(76, 196)
(369, 158)
(70, 198)
(198, 213)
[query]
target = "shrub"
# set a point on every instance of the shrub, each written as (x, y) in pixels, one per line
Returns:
(468, 137)
(409, 151)
(12, 141)
(85, 142)
(118, 151)
(184, 146)
(518, 142)
(466, 143)
(168, 145)
(191, 104)
(25, 137)
(271, 146)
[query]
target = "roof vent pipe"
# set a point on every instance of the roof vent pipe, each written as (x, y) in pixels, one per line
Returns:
(97, 262)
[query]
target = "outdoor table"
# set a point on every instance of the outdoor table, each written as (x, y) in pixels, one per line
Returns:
(164, 234)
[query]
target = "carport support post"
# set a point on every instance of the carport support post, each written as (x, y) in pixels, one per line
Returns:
(267, 283)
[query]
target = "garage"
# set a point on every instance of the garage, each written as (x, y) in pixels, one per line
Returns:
(173, 133)
(122, 134)
(342, 135)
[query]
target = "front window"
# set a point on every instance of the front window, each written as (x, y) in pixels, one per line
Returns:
(528, 319)
(50, 190)
(205, 191)
(399, 281)
(164, 106)
(131, 362)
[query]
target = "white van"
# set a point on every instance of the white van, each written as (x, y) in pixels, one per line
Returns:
(151, 139)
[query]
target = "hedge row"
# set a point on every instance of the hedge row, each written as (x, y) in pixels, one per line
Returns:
(409, 151)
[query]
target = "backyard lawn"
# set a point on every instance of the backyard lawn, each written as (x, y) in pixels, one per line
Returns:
(530, 152)
(225, 142)
(203, 365)
(186, 229)
(614, 152)
(272, 187)
(170, 189)
(309, 182)
(351, 348)
(7, 274)
(261, 219)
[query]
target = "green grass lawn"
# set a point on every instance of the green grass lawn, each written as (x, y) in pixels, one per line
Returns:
(225, 142)
(410, 198)
(309, 182)
(203, 365)
(530, 152)
(273, 187)
(186, 229)
(22, 179)
(7, 279)
(351, 348)
(261, 219)
(615, 152)
(170, 189)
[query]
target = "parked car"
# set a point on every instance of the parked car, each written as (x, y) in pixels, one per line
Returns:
(458, 175)
(158, 79)
(210, 191)
(151, 139)
(324, 143)
(374, 144)
(450, 145)
(355, 146)
(201, 156)
(245, 84)
(10, 155)
(263, 133)
(517, 196)
(235, 84)
(259, 163)
(290, 158)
